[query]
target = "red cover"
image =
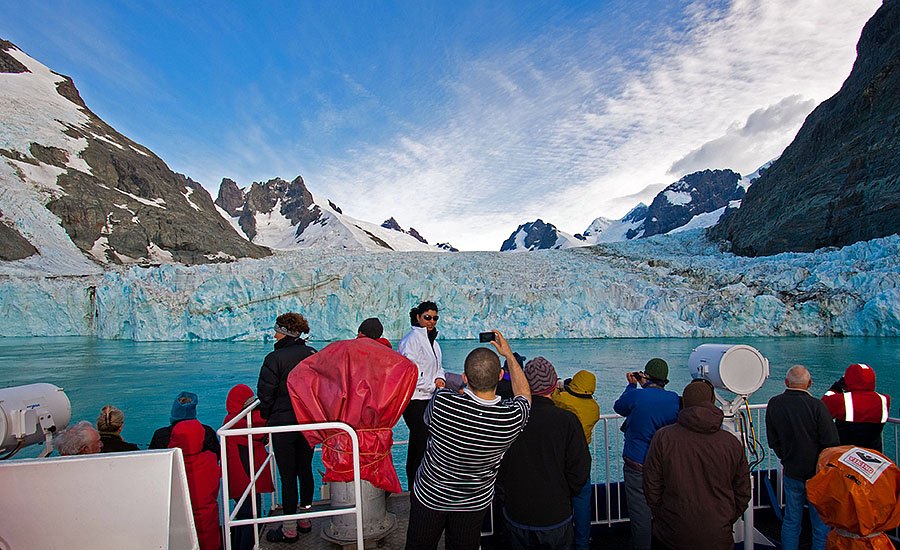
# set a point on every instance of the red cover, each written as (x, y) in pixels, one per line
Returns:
(203, 474)
(238, 477)
(364, 384)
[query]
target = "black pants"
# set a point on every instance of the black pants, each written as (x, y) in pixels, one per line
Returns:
(414, 416)
(560, 538)
(293, 456)
(242, 537)
(462, 530)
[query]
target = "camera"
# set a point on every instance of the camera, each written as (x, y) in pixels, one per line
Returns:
(640, 375)
(486, 337)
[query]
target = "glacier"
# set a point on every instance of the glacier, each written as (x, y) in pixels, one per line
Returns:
(676, 285)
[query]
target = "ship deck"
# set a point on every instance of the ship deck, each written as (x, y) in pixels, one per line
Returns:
(612, 537)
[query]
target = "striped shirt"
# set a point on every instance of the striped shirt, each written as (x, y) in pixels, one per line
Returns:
(467, 438)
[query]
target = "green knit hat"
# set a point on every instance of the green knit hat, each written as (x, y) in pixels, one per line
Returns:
(657, 369)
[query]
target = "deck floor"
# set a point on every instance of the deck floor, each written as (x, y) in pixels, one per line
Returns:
(606, 538)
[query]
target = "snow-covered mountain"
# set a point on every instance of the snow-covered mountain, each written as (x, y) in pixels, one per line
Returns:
(697, 200)
(538, 235)
(285, 216)
(77, 196)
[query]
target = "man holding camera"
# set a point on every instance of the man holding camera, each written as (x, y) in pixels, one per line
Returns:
(647, 406)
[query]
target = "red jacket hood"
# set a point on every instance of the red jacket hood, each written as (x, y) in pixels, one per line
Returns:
(238, 395)
(188, 436)
(859, 378)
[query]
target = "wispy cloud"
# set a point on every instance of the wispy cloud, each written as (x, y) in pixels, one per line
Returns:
(551, 129)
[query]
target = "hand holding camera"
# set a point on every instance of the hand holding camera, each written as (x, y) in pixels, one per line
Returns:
(637, 377)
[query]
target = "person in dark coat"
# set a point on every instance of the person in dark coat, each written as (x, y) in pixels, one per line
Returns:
(293, 455)
(544, 468)
(799, 427)
(110, 424)
(203, 475)
(696, 476)
(185, 408)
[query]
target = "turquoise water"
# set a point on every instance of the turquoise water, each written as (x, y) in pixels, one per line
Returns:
(142, 378)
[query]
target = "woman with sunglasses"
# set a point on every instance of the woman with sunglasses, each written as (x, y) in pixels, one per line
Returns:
(420, 346)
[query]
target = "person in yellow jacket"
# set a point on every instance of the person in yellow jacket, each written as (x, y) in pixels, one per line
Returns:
(577, 395)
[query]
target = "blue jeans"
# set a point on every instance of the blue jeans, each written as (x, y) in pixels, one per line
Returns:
(794, 499)
(638, 510)
(581, 512)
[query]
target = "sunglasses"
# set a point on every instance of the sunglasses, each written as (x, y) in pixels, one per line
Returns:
(429, 317)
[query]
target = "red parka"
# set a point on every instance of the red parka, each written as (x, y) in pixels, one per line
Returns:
(236, 446)
(859, 411)
(203, 475)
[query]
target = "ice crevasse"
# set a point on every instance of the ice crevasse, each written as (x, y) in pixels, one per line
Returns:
(669, 286)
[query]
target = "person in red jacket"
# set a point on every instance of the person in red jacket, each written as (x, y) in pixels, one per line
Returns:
(203, 475)
(859, 412)
(238, 458)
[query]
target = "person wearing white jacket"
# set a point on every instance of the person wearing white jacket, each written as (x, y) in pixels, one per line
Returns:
(420, 346)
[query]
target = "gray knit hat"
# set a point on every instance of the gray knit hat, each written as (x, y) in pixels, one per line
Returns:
(541, 376)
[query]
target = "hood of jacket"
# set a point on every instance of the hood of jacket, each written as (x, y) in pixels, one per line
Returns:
(183, 411)
(188, 436)
(582, 384)
(703, 418)
(238, 395)
(859, 378)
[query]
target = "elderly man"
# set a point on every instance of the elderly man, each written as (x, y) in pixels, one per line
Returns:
(696, 476)
(468, 434)
(799, 427)
(80, 439)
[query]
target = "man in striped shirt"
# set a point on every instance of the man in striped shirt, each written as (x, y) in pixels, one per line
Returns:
(468, 433)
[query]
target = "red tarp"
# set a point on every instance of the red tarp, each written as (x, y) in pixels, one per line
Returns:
(856, 491)
(364, 384)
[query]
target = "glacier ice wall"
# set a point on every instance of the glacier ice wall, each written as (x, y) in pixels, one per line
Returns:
(668, 286)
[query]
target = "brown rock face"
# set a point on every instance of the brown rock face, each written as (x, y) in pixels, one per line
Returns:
(146, 212)
(839, 181)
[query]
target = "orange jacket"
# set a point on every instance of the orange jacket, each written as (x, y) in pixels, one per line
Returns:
(856, 491)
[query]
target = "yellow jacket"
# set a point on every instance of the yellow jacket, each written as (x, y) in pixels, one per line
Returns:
(577, 397)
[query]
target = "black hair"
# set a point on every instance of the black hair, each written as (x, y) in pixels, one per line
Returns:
(421, 308)
(482, 368)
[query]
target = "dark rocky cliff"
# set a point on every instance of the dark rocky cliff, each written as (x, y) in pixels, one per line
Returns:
(537, 235)
(839, 181)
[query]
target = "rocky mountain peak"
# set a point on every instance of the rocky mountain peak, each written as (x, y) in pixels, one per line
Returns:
(536, 235)
(96, 196)
(230, 198)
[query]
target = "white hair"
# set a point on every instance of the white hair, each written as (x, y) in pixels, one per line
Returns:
(76, 438)
(797, 377)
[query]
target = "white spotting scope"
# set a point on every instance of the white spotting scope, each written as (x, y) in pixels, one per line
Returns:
(737, 368)
(32, 414)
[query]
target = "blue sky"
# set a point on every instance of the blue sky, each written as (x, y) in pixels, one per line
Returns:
(461, 119)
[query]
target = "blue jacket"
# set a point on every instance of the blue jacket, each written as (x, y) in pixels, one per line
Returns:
(645, 410)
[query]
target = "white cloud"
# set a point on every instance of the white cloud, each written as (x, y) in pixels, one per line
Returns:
(742, 147)
(550, 129)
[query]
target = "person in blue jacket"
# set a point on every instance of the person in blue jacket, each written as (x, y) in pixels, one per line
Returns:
(647, 406)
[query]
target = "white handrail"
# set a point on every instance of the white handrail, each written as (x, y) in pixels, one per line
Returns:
(227, 431)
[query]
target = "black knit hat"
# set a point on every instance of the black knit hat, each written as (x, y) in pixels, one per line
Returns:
(372, 328)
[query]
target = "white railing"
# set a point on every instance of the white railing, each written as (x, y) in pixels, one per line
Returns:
(255, 521)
